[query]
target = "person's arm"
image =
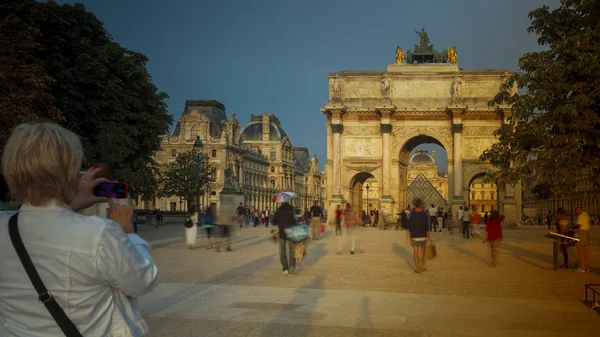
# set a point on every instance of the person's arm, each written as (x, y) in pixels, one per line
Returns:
(124, 261)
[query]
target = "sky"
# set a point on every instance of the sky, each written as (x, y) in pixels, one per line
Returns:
(273, 55)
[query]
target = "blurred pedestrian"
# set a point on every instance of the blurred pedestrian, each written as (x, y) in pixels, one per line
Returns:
(466, 223)
(493, 229)
(338, 220)
(350, 223)
(284, 218)
(241, 213)
(583, 234)
(209, 223)
(475, 221)
(191, 228)
(316, 213)
(562, 223)
(418, 229)
(440, 219)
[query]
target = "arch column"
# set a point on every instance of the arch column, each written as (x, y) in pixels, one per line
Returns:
(337, 130)
(457, 160)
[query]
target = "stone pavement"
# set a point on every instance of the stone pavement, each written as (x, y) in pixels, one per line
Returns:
(243, 293)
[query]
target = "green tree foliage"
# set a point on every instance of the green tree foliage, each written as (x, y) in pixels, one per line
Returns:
(24, 83)
(181, 178)
(103, 90)
(553, 135)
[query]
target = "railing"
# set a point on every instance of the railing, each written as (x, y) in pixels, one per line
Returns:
(594, 293)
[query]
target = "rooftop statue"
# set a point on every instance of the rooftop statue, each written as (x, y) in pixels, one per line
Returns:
(399, 55)
(423, 37)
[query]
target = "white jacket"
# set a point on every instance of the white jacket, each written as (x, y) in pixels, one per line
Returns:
(90, 266)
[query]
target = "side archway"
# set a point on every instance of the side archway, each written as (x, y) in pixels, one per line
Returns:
(481, 194)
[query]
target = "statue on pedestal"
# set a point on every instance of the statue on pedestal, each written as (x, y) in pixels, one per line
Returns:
(337, 88)
(452, 56)
(230, 181)
(425, 52)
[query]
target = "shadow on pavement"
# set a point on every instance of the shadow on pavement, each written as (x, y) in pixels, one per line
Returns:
(403, 253)
(466, 251)
(300, 323)
(365, 316)
(234, 274)
(314, 252)
(518, 253)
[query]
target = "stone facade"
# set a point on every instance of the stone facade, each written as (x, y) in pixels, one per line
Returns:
(289, 168)
(376, 118)
(583, 194)
(261, 157)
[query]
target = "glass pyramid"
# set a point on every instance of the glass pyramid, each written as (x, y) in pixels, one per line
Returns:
(422, 188)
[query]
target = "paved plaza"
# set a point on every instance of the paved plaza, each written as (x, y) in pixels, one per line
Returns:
(375, 293)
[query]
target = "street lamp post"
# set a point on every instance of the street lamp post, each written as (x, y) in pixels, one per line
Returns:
(198, 146)
(368, 214)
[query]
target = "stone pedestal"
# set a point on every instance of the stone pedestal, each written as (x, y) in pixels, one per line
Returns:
(509, 210)
(229, 202)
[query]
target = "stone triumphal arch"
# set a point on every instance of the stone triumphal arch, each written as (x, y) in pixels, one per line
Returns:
(376, 118)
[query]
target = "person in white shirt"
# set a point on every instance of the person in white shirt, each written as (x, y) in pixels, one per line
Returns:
(93, 268)
(466, 223)
(460, 219)
(432, 218)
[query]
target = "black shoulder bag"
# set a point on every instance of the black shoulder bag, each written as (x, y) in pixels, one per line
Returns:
(63, 321)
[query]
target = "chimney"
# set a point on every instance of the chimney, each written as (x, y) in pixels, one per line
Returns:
(266, 126)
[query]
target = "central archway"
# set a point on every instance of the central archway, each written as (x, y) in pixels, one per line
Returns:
(424, 160)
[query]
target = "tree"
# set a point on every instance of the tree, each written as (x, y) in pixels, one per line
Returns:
(24, 83)
(553, 135)
(103, 90)
(182, 178)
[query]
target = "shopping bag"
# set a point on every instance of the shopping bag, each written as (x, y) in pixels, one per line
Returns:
(431, 251)
(297, 233)
(322, 228)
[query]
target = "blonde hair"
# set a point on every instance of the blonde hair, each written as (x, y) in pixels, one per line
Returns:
(41, 163)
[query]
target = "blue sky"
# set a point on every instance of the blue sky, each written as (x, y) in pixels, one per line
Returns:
(274, 55)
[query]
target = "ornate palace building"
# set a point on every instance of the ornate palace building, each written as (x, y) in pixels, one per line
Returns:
(261, 155)
(484, 195)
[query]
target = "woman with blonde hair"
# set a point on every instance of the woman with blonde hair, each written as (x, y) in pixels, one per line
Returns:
(65, 273)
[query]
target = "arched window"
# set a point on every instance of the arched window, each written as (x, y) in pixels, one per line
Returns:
(272, 169)
(214, 153)
(473, 196)
(173, 153)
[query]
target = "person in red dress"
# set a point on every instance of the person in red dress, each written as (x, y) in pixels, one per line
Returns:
(493, 228)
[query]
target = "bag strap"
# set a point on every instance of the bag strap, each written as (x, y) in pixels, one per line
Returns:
(63, 321)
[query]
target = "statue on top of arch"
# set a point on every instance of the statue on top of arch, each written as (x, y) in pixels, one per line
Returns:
(425, 52)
